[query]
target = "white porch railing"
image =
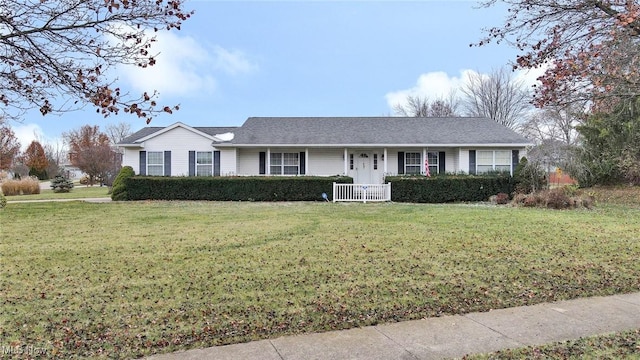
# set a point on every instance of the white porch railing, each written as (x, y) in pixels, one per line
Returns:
(361, 192)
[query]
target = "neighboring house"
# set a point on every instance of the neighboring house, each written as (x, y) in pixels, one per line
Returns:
(365, 148)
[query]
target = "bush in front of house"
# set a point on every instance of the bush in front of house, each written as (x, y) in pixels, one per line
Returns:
(26, 186)
(443, 189)
(119, 189)
(60, 184)
(30, 185)
(11, 187)
(250, 188)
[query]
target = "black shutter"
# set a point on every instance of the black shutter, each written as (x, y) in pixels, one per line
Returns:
(441, 166)
(400, 162)
(167, 163)
(192, 163)
(515, 159)
(303, 162)
(263, 163)
(143, 163)
(472, 162)
(216, 163)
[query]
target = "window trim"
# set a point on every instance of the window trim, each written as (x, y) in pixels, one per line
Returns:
(493, 164)
(197, 164)
(148, 164)
(283, 157)
(419, 165)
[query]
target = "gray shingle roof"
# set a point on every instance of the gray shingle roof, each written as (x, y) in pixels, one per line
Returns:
(373, 130)
(144, 132)
(131, 139)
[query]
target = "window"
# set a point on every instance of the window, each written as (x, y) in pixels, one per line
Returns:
(285, 164)
(433, 162)
(155, 163)
(493, 160)
(204, 163)
(350, 161)
(412, 163)
(375, 161)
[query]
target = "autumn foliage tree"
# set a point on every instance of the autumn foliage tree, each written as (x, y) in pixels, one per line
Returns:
(9, 147)
(59, 55)
(35, 159)
(590, 49)
(90, 150)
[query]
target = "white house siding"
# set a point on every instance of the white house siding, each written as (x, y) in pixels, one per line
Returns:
(451, 160)
(325, 162)
(463, 158)
(179, 141)
(228, 162)
(131, 158)
(248, 161)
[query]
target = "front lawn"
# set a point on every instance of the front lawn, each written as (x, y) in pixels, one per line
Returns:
(136, 278)
(75, 193)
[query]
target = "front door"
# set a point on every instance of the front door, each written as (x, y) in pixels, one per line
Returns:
(364, 167)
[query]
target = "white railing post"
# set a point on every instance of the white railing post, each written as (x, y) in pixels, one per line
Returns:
(361, 192)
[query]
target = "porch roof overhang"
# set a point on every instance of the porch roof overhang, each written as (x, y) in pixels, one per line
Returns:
(135, 145)
(474, 145)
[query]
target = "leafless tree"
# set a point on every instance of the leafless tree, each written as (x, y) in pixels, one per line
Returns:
(557, 123)
(58, 55)
(117, 132)
(418, 106)
(497, 96)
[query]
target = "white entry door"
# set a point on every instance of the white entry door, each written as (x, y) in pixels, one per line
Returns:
(364, 167)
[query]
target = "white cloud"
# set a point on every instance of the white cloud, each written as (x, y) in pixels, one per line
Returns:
(180, 68)
(26, 133)
(233, 61)
(185, 67)
(436, 85)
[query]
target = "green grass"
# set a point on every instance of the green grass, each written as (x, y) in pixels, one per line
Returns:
(75, 193)
(621, 345)
(132, 279)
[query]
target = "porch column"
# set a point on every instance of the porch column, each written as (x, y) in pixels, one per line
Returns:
(306, 161)
(385, 161)
(268, 164)
(424, 158)
(346, 162)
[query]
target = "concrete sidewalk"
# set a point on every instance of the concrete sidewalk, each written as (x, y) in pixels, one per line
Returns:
(444, 337)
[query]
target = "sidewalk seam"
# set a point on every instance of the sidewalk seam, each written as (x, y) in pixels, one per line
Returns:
(520, 344)
(375, 327)
(276, 349)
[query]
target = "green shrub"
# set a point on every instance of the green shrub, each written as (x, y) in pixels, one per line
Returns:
(442, 189)
(60, 184)
(250, 188)
(3, 201)
(119, 188)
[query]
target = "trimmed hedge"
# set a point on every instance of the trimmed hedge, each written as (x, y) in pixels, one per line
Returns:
(303, 188)
(442, 189)
(118, 188)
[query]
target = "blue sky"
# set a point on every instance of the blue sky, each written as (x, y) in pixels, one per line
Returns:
(237, 59)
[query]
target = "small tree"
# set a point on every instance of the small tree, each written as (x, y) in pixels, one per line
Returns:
(530, 177)
(91, 152)
(36, 160)
(9, 147)
(61, 184)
